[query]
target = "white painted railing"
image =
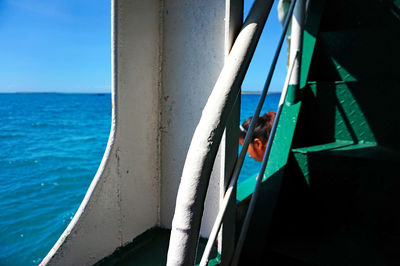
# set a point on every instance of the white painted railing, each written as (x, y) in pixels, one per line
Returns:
(207, 137)
(205, 142)
(242, 155)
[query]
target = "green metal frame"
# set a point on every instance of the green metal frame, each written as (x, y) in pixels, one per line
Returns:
(280, 151)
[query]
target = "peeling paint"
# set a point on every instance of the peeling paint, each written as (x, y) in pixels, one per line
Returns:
(119, 174)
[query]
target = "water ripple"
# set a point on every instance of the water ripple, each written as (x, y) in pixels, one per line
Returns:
(51, 145)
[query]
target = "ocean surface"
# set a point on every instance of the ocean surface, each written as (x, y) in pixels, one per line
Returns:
(50, 148)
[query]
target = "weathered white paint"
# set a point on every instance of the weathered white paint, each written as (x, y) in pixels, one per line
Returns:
(166, 57)
(193, 56)
(123, 198)
(297, 39)
(205, 141)
(229, 143)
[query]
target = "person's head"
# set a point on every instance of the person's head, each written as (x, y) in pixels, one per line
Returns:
(259, 141)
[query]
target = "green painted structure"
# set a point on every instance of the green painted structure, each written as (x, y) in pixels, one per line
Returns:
(331, 196)
(331, 191)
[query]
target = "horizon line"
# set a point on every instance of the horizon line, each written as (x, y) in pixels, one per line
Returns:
(259, 92)
(53, 92)
(102, 92)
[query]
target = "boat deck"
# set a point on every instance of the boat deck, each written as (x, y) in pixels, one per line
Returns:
(150, 248)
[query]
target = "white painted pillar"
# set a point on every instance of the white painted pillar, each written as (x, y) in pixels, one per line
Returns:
(123, 198)
(229, 144)
(296, 39)
(193, 50)
(167, 56)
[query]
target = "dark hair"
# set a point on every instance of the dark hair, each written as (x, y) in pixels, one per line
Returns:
(262, 129)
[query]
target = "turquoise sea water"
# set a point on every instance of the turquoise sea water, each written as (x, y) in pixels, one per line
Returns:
(50, 148)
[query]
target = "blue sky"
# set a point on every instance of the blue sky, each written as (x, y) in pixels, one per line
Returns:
(259, 67)
(55, 45)
(65, 46)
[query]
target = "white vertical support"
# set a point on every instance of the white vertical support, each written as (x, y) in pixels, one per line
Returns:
(296, 41)
(229, 143)
(206, 139)
(192, 57)
(123, 199)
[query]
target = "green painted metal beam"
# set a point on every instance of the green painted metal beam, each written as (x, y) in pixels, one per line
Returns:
(266, 202)
(311, 29)
(281, 147)
(280, 151)
(345, 143)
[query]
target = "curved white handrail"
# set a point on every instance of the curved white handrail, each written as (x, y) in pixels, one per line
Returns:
(246, 142)
(206, 139)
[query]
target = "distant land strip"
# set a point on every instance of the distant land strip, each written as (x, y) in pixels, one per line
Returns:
(258, 92)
